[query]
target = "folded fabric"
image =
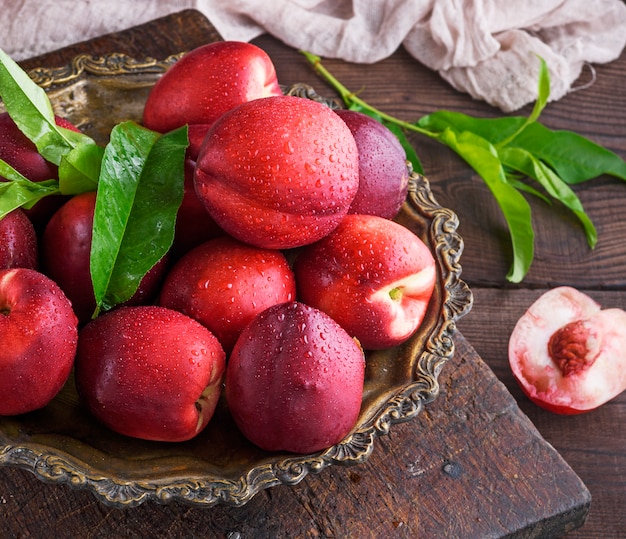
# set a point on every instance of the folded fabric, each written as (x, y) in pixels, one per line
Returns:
(486, 48)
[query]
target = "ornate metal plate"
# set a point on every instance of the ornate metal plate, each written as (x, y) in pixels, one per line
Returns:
(62, 443)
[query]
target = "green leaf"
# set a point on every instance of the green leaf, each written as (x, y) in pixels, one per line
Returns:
(80, 169)
(532, 167)
(139, 193)
(493, 130)
(482, 156)
(556, 157)
(543, 92)
(31, 110)
(498, 131)
(574, 158)
(521, 186)
(19, 192)
(29, 106)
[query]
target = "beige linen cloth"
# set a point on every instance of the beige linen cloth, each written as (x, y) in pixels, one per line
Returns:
(487, 48)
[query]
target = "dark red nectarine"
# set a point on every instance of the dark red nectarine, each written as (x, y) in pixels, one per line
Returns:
(294, 380)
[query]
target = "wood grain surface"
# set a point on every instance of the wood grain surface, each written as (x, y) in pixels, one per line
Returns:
(481, 461)
(472, 465)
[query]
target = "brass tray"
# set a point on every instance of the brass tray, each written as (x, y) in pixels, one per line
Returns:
(62, 443)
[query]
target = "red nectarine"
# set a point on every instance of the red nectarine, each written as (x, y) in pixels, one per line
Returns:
(224, 284)
(372, 275)
(208, 81)
(568, 354)
(38, 331)
(278, 172)
(294, 381)
(383, 172)
(149, 372)
(66, 252)
(18, 241)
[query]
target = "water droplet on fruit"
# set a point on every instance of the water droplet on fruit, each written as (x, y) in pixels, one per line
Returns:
(289, 147)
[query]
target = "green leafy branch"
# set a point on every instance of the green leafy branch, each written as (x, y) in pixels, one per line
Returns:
(138, 177)
(501, 150)
(77, 155)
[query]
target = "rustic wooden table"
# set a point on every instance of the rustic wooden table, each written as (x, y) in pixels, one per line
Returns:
(481, 461)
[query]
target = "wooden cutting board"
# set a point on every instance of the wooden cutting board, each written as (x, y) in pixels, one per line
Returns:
(470, 466)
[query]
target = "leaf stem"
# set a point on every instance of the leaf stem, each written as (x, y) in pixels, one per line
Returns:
(350, 98)
(542, 98)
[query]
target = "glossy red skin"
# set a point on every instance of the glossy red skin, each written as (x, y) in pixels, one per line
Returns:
(208, 81)
(65, 253)
(18, 241)
(365, 254)
(224, 284)
(194, 225)
(294, 381)
(142, 371)
(279, 172)
(19, 152)
(196, 134)
(561, 410)
(38, 331)
(594, 381)
(383, 173)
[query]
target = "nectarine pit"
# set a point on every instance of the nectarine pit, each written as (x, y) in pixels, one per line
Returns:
(571, 348)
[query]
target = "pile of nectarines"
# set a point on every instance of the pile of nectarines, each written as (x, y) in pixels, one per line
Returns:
(286, 265)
